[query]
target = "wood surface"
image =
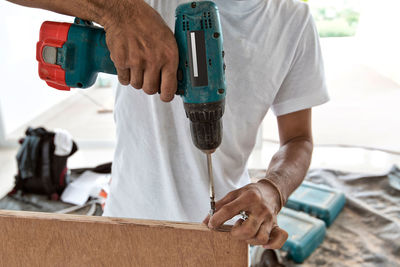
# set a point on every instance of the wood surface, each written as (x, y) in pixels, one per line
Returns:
(45, 239)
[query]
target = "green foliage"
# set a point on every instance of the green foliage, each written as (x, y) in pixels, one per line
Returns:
(334, 22)
(335, 28)
(351, 16)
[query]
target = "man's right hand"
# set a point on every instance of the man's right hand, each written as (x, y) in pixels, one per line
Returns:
(142, 47)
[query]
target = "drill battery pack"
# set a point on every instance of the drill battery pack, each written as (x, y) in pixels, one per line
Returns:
(317, 200)
(306, 233)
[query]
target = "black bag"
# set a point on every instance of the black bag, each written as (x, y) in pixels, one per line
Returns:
(40, 171)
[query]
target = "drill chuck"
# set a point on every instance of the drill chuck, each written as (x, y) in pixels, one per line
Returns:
(206, 124)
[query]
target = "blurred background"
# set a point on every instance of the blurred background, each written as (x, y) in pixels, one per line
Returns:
(358, 130)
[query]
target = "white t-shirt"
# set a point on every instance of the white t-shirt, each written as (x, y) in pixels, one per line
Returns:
(273, 60)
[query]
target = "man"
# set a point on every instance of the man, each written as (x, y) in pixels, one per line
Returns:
(273, 60)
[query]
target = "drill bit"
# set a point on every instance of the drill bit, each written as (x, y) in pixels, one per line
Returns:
(211, 184)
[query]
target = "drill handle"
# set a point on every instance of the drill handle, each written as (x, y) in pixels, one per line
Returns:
(100, 55)
(86, 54)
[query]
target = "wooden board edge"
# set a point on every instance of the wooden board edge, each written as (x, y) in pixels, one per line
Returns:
(107, 220)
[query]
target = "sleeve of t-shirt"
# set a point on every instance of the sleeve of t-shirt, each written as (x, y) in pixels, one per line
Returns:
(304, 85)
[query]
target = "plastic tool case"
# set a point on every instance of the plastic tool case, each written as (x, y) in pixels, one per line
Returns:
(306, 233)
(317, 200)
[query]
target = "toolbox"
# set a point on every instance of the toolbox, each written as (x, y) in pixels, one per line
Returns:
(319, 201)
(306, 233)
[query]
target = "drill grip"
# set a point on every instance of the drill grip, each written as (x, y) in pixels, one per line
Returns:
(84, 55)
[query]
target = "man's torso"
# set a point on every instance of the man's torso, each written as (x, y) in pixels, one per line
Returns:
(157, 171)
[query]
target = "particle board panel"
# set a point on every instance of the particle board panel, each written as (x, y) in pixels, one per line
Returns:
(46, 239)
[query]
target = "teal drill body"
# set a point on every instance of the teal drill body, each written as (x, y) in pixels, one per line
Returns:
(199, 38)
(201, 72)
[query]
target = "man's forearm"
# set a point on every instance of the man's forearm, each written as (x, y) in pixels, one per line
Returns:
(93, 10)
(289, 165)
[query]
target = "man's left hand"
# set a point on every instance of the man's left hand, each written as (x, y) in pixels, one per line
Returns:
(261, 203)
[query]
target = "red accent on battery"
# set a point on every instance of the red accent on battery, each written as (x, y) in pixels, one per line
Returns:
(53, 34)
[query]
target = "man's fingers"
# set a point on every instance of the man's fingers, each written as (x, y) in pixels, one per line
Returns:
(277, 238)
(247, 229)
(151, 83)
(226, 199)
(262, 236)
(137, 77)
(169, 84)
(123, 76)
(227, 212)
(150, 44)
(223, 201)
(207, 219)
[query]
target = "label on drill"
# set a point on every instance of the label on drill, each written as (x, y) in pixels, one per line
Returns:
(197, 58)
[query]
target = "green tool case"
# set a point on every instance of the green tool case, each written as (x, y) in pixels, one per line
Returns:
(306, 233)
(317, 200)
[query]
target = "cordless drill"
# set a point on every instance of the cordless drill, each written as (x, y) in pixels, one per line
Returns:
(71, 55)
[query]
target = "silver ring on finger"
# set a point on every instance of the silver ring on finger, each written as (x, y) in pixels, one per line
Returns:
(244, 215)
